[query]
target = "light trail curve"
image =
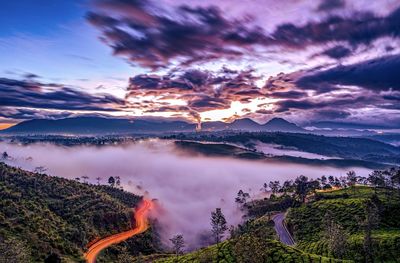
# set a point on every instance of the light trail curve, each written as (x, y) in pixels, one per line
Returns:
(141, 226)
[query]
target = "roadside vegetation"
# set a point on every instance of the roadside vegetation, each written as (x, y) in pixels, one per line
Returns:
(50, 218)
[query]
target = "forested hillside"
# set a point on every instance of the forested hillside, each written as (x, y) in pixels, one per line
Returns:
(43, 216)
(338, 224)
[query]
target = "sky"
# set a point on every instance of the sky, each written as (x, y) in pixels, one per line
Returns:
(201, 60)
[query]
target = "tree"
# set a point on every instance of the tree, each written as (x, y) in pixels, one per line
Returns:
(351, 178)
(376, 179)
(98, 179)
(40, 169)
(178, 243)
(395, 179)
(265, 188)
(118, 181)
(336, 236)
(111, 181)
(343, 181)
(313, 185)
(218, 224)
(331, 180)
(369, 223)
(337, 183)
(301, 187)
(275, 185)
(242, 197)
(4, 156)
(85, 179)
(287, 186)
(323, 181)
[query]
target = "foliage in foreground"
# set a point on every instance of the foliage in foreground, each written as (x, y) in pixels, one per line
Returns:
(348, 209)
(248, 249)
(42, 215)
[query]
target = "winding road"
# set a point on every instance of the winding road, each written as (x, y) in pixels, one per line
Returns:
(284, 236)
(141, 226)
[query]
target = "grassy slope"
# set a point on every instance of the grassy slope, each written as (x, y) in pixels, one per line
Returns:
(51, 214)
(253, 242)
(347, 206)
(228, 252)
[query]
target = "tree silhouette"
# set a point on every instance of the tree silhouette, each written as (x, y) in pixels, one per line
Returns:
(242, 197)
(4, 156)
(336, 236)
(351, 178)
(301, 187)
(218, 224)
(98, 179)
(275, 185)
(178, 243)
(111, 181)
(118, 181)
(40, 169)
(85, 179)
(370, 222)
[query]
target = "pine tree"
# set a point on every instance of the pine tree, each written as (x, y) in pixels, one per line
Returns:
(178, 243)
(218, 224)
(4, 156)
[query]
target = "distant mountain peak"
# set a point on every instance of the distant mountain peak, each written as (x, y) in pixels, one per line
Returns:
(278, 121)
(280, 124)
(244, 120)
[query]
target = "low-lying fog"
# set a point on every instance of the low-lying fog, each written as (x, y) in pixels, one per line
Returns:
(188, 188)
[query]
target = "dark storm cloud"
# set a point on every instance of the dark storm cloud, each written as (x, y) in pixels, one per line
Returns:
(28, 93)
(291, 94)
(359, 28)
(392, 95)
(337, 52)
(377, 74)
(203, 103)
(346, 101)
(328, 5)
(151, 37)
(331, 114)
(27, 114)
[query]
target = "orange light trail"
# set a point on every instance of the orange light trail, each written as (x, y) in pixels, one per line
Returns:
(141, 226)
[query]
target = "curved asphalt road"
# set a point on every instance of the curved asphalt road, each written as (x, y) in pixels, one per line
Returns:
(141, 226)
(281, 230)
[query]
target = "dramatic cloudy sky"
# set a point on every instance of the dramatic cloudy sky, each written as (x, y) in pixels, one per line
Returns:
(306, 61)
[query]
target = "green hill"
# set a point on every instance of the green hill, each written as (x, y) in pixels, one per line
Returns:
(253, 242)
(348, 209)
(248, 249)
(42, 215)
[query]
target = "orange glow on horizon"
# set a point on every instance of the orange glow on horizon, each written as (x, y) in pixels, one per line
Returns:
(6, 125)
(142, 225)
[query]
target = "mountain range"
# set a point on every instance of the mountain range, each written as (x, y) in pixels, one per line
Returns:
(101, 125)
